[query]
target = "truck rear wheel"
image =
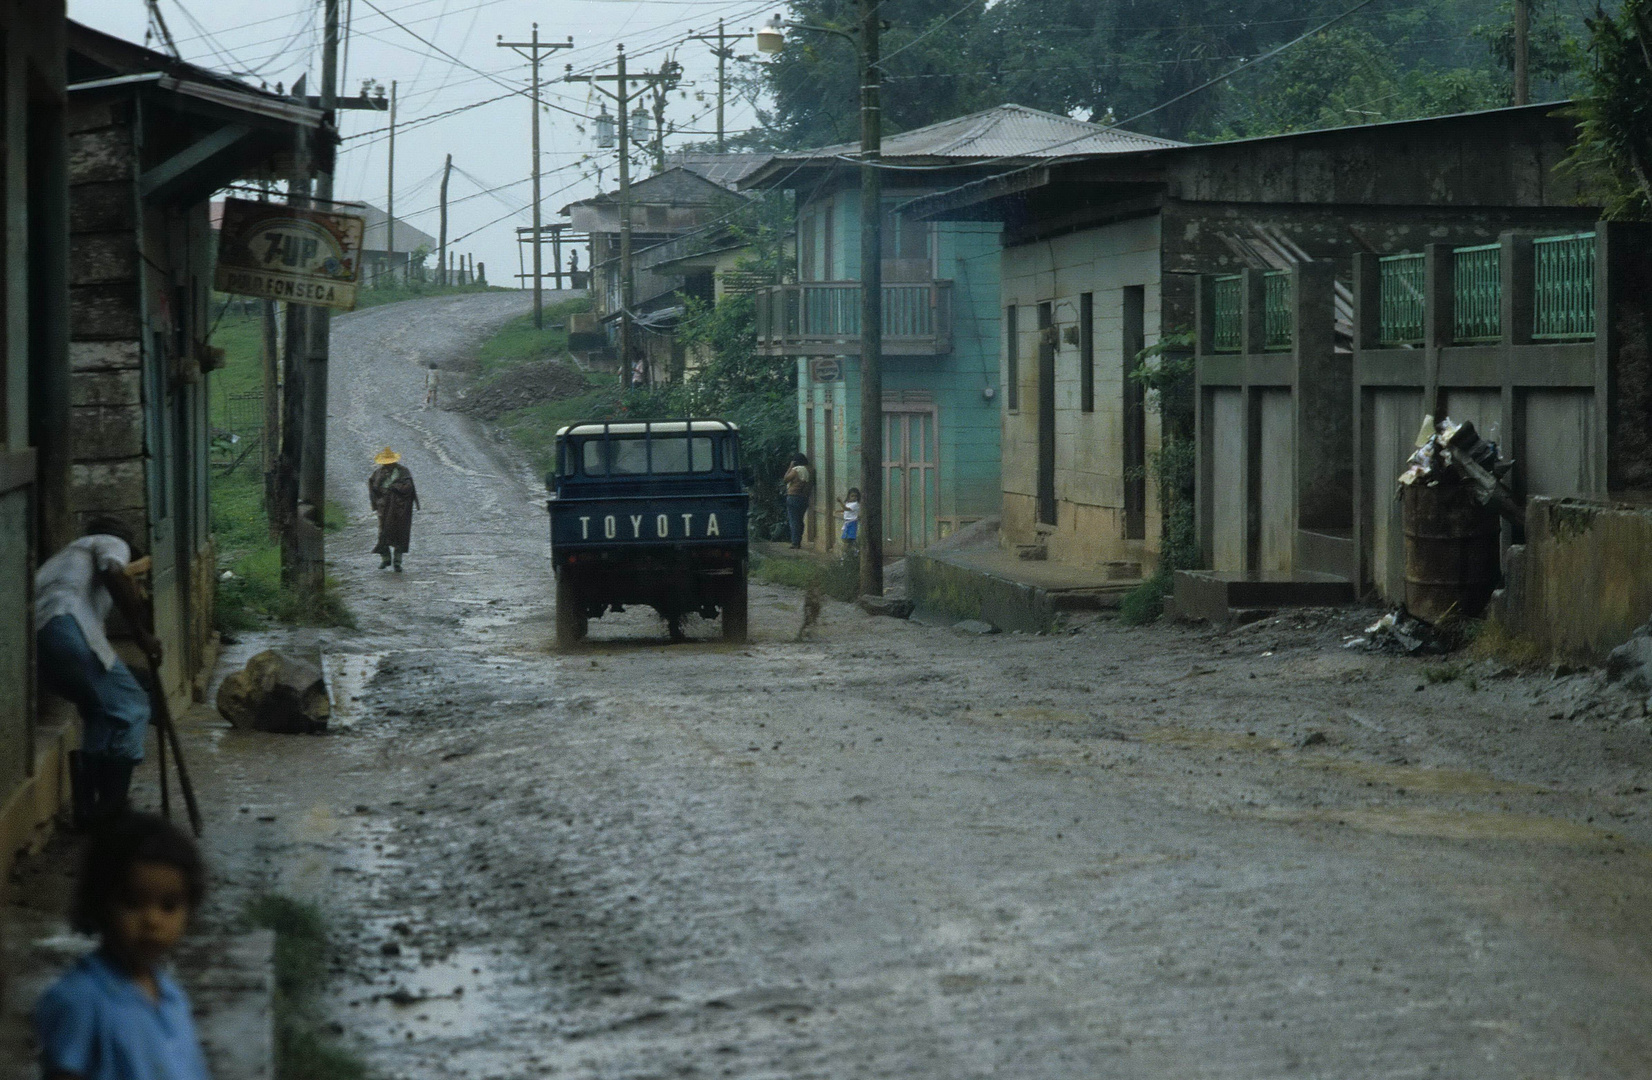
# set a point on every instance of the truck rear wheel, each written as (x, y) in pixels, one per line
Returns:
(734, 607)
(570, 613)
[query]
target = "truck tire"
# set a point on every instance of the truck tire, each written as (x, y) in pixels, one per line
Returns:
(570, 614)
(734, 607)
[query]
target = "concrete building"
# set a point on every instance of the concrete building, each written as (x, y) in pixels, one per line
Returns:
(150, 140)
(942, 374)
(34, 405)
(1099, 258)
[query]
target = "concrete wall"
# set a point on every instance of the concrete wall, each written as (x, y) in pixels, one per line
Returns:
(1089, 467)
(1578, 587)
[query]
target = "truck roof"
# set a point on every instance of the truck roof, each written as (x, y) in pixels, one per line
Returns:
(645, 427)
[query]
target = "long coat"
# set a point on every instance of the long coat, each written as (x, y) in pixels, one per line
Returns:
(390, 489)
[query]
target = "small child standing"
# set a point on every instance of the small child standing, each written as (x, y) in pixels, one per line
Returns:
(851, 515)
(117, 1014)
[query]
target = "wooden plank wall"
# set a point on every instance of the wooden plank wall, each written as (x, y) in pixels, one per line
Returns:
(105, 356)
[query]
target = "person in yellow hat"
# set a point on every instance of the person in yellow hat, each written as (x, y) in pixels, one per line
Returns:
(394, 498)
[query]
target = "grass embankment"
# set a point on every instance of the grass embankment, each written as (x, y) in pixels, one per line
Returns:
(255, 594)
(302, 1052)
(838, 578)
(518, 343)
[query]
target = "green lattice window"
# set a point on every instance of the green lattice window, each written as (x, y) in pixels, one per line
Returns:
(1563, 296)
(1228, 301)
(1276, 310)
(1400, 299)
(1477, 293)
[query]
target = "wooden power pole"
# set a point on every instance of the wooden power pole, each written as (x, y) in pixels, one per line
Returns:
(390, 194)
(623, 95)
(535, 48)
(441, 238)
(1522, 52)
(724, 52)
(871, 305)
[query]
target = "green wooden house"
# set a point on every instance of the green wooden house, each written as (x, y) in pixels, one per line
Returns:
(942, 332)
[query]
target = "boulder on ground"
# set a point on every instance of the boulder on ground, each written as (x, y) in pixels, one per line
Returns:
(895, 607)
(1631, 662)
(277, 693)
(975, 626)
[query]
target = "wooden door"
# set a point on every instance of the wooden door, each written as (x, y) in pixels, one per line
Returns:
(911, 478)
(1046, 416)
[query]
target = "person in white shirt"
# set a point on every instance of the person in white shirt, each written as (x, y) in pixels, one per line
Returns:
(850, 504)
(74, 592)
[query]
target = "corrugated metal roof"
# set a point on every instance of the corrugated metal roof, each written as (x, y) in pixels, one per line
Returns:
(1012, 131)
(725, 169)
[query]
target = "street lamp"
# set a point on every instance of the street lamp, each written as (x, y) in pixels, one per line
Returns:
(771, 36)
(771, 39)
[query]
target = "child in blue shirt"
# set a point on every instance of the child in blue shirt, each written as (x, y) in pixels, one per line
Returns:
(117, 1014)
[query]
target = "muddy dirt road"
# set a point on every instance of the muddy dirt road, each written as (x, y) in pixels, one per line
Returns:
(898, 850)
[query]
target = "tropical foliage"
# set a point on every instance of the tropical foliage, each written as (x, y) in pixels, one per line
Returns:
(1117, 59)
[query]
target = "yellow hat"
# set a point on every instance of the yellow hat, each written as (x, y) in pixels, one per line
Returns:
(387, 456)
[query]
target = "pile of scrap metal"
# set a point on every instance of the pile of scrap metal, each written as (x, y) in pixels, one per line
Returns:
(1454, 453)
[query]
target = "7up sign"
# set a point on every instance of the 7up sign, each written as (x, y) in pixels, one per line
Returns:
(281, 253)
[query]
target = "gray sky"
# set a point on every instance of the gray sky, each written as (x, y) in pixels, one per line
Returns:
(278, 40)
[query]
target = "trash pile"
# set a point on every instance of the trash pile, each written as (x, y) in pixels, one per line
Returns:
(530, 384)
(1454, 453)
(1402, 635)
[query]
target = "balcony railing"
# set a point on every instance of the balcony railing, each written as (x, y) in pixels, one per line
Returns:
(822, 318)
(1401, 289)
(1563, 299)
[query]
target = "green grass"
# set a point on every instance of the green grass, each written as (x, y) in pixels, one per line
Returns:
(255, 594)
(302, 1051)
(839, 578)
(517, 342)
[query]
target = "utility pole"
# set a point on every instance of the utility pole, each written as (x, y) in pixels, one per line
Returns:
(534, 48)
(724, 52)
(622, 95)
(660, 94)
(441, 240)
(871, 305)
(1522, 52)
(390, 194)
(312, 470)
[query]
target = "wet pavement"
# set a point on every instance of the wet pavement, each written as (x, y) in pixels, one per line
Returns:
(893, 849)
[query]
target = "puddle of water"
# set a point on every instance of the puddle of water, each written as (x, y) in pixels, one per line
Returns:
(451, 998)
(1415, 778)
(1452, 825)
(347, 676)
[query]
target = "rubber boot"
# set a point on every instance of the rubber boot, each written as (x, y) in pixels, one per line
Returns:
(82, 793)
(397, 558)
(113, 782)
(385, 564)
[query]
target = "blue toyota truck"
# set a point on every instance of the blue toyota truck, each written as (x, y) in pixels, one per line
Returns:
(649, 512)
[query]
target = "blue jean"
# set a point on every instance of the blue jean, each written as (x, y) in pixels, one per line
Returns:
(114, 708)
(796, 507)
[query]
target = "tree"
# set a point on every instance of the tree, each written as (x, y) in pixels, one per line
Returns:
(1614, 147)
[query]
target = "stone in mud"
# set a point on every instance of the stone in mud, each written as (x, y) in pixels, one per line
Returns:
(1631, 662)
(895, 607)
(975, 626)
(276, 693)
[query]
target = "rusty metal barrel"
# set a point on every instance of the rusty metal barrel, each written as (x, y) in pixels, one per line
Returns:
(1452, 553)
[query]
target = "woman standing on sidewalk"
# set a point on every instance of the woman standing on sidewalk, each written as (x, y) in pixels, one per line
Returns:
(797, 496)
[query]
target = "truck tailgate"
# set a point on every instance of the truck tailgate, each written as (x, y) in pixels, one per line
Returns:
(648, 520)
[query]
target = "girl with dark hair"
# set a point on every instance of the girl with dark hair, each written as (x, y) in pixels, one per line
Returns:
(118, 1014)
(797, 481)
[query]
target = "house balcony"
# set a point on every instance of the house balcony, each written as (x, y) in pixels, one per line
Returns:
(822, 318)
